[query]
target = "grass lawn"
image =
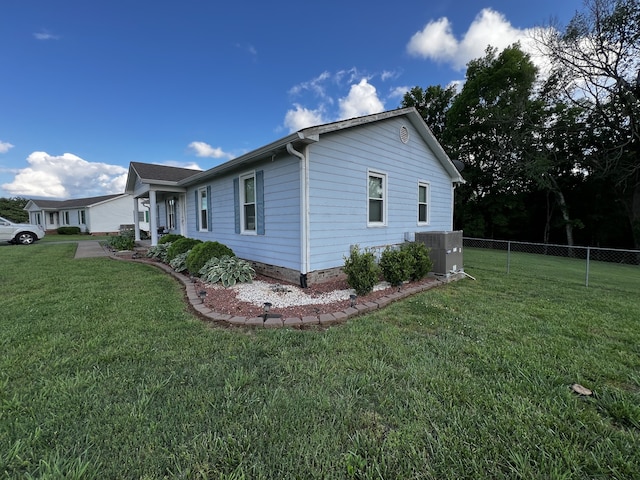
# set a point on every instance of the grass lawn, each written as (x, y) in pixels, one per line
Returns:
(54, 238)
(104, 374)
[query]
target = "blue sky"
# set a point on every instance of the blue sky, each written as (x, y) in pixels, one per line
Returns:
(88, 86)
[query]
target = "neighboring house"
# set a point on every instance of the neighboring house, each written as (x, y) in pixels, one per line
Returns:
(295, 207)
(95, 215)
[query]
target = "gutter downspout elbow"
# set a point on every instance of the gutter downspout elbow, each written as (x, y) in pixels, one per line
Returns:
(304, 211)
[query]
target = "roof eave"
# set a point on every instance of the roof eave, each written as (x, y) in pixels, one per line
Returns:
(296, 138)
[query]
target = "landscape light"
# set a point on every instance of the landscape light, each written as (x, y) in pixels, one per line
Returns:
(353, 298)
(266, 308)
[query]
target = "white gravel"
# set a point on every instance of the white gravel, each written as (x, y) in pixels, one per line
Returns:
(282, 296)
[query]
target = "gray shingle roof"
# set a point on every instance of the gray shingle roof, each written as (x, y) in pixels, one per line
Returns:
(74, 202)
(149, 172)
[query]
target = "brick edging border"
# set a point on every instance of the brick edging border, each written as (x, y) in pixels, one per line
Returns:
(323, 319)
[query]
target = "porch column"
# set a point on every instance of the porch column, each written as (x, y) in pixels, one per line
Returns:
(136, 221)
(183, 214)
(153, 225)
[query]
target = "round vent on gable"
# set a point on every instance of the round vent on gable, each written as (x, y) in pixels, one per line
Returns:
(404, 134)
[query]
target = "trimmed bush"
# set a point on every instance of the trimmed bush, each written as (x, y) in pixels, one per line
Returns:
(181, 245)
(420, 263)
(169, 238)
(361, 270)
(68, 230)
(203, 252)
(396, 265)
(227, 270)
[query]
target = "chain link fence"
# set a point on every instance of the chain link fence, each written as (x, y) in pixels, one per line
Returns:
(588, 266)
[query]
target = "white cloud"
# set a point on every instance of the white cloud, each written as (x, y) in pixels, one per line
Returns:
(191, 165)
(389, 75)
(398, 92)
(301, 117)
(5, 146)
(361, 100)
(66, 176)
(202, 149)
(315, 85)
(45, 36)
(437, 42)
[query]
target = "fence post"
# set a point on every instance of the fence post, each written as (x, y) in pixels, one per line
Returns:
(508, 256)
(587, 274)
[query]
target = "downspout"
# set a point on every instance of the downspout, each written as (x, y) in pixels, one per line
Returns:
(304, 213)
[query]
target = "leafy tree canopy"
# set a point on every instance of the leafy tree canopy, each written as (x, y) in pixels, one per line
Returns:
(13, 209)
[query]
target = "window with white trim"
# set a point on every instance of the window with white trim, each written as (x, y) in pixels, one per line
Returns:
(248, 203)
(423, 203)
(82, 217)
(377, 199)
(203, 203)
(65, 218)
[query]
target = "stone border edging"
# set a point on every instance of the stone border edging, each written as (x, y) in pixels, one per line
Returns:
(323, 319)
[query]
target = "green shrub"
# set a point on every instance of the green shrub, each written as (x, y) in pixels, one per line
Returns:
(121, 242)
(68, 230)
(179, 262)
(419, 260)
(396, 265)
(227, 270)
(181, 245)
(202, 252)
(361, 270)
(169, 238)
(159, 252)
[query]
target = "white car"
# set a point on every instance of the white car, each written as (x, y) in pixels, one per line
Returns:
(19, 233)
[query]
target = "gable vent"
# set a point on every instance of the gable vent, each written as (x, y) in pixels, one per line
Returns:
(404, 134)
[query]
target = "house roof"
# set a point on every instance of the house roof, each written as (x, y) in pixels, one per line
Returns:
(148, 171)
(156, 174)
(73, 203)
(312, 134)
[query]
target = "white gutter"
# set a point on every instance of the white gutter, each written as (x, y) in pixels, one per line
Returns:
(304, 212)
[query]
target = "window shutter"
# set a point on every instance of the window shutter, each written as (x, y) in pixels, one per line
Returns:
(209, 209)
(236, 203)
(197, 211)
(260, 202)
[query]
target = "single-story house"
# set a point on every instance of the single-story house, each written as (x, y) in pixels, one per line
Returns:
(295, 207)
(96, 215)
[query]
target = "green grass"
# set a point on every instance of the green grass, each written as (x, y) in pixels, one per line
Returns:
(54, 238)
(564, 271)
(105, 374)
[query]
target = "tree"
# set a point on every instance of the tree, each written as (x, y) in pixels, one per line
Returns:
(596, 64)
(487, 128)
(13, 209)
(433, 103)
(554, 161)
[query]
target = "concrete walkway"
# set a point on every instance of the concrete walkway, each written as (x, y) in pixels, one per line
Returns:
(90, 249)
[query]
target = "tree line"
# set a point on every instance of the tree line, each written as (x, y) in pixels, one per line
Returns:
(549, 156)
(13, 209)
